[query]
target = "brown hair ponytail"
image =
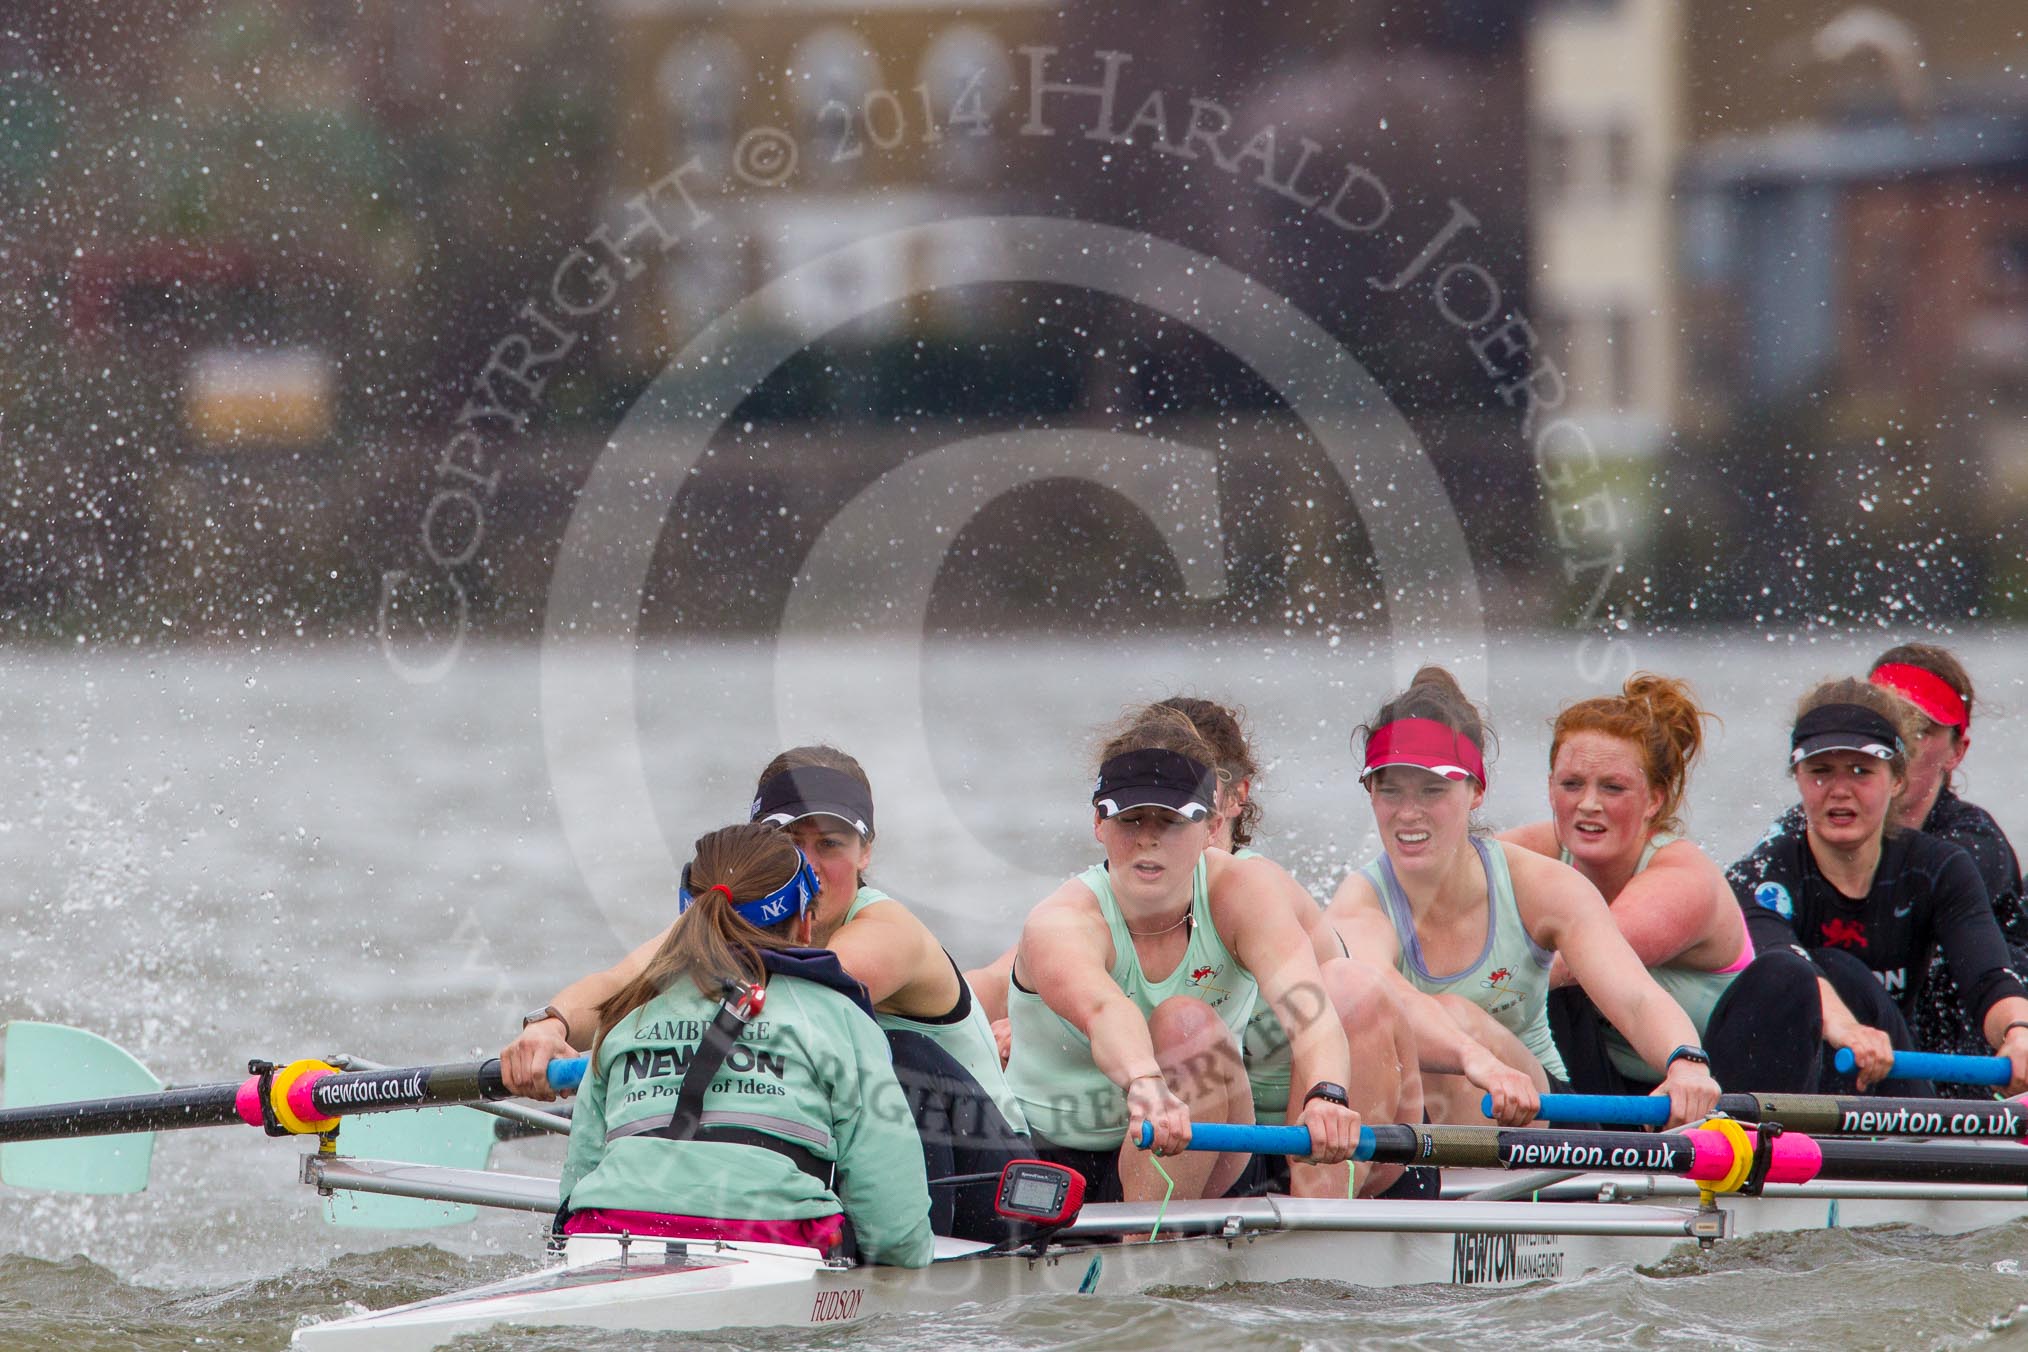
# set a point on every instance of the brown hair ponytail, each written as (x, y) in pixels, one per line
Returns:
(711, 943)
(1225, 734)
(1435, 694)
(1663, 720)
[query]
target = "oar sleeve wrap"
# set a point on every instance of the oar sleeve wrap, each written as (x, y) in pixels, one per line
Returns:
(1724, 1154)
(1943, 1067)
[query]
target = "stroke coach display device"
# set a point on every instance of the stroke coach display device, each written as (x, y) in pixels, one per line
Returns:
(1037, 1193)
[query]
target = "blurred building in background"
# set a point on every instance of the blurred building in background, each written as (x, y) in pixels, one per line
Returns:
(257, 255)
(1782, 248)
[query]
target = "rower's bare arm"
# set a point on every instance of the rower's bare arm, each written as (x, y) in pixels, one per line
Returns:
(1308, 915)
(1065, 957)
(886, 950)
(1537, 837)
(1677, 905)
(989, 985)
(1565, 913)
(1354, 915)
(524, 1062)
(1442, 1046)
(2006, 1029)
(1271, 942)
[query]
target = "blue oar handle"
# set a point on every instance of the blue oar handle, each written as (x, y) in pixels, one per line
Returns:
(1623, 1110)
(1247, 1138)
(567, 1073)
(1940, 1066)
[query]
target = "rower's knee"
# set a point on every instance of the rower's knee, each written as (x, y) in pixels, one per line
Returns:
(1185, 1025)
(1196, 1050)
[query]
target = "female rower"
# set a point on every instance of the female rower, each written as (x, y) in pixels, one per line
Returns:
(1619, 766)
(1438, 1044)
(969, 1121)
(1133, 982)
(1937, 684)
(1870, 903)
(1476, 924)
(800, 1106)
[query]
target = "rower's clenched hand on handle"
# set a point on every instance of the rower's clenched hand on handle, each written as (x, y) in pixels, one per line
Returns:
(2010, 1038)
(1334, 1131)
(1515, 1098)
(1149, 1100)
(572, 1019)
(1872, 1050)
(524, 1062)
(1692, 1093)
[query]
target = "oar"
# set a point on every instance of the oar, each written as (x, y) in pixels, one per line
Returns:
(81, 1112)
(1943, 1067)
(1820, 1113)
(1720, 1155)
(301, 1098)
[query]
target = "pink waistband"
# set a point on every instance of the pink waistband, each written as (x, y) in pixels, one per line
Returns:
(1740, 963)
(822, 1233)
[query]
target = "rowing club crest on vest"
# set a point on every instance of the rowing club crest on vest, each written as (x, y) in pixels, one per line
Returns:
(1202, 978)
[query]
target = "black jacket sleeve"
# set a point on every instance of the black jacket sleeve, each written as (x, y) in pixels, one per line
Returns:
(1969, 936)
(1973, 830)
(1767, 895)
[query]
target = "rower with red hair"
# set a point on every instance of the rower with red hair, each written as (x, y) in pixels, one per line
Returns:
(1619, 768)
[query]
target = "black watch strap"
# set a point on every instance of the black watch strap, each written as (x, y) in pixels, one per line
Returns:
(1330, 1093)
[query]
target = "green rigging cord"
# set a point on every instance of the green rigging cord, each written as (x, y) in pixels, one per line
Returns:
(1163, 1209)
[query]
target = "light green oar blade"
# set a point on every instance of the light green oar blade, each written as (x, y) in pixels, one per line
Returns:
(457, 1137)
(49, 1063)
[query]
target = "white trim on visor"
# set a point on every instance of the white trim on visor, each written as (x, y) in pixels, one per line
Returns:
(1877, 750)
(1189, 812)
(785, 819)
(1452, 772)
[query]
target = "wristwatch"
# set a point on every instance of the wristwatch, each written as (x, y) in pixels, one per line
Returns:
(1687, 1053)
(535, 1016)
(1330, 1093)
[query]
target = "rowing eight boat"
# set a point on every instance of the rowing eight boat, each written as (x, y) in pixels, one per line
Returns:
(1581, 1224)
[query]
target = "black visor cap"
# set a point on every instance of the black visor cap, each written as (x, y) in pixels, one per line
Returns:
(814, 791)
(1842, 727)
(1155, 778)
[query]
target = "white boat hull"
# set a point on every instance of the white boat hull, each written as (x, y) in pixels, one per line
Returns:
(653, 1285)
(698, 1287)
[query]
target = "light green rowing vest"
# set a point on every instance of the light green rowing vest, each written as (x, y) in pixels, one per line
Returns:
(1510, 977)
(1696, 990)
(965, 1033)
(1068, 1100)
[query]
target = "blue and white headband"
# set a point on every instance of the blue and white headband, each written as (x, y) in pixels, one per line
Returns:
(786, 902)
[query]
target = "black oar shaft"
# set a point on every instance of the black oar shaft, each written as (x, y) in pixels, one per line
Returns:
(208, 1105)
(1924, 1161)
(1824, 1115)
(1528, 1148)
(336, 1094)
(377, 1091)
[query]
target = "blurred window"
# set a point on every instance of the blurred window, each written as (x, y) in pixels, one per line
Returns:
(699, 81)
(967, 78)
(2010, 263)
(1622, 362)
(1619, 158)
(1554, 146)
(830, 74)
(1709, 238)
